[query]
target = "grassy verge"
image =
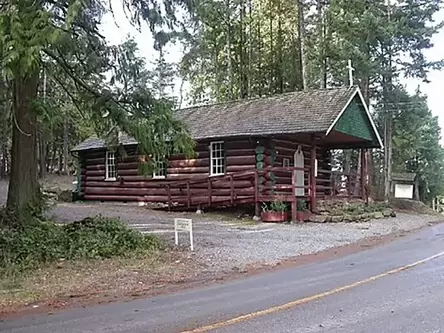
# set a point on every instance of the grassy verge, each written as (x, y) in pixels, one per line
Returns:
(43, 262)
(65, 281)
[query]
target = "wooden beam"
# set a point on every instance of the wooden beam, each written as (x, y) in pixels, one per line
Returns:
(312, 173)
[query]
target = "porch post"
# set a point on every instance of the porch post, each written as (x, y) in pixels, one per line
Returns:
(312, 178)
(363, 174)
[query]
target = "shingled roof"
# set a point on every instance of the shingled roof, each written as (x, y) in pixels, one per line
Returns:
(296, 112)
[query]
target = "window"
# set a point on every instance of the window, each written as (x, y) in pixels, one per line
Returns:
(160, 169)
(286, 162)
(111, 169)
(217, 156)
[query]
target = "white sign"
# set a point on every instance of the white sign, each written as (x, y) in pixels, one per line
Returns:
(183, 225)
(299, 174)
(404, 191)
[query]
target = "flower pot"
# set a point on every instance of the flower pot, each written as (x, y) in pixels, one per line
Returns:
(274, 216)
(303, 215)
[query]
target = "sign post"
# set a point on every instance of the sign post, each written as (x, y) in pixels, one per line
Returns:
(183, 225)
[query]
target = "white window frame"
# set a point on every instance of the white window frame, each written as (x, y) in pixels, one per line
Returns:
(286, 162)
(156, 163)
(212, 160)
(109, 158)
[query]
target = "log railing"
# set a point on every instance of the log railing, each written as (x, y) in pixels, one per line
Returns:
(202, 192)
(262, 185)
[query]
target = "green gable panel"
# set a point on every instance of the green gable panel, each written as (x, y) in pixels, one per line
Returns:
(354, 122)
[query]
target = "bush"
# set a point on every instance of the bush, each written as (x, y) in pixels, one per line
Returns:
(44, 242)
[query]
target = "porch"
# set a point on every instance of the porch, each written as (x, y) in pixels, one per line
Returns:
(259, 186)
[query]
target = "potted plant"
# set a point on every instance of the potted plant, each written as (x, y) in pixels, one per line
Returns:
(302, 213)
(275, 212)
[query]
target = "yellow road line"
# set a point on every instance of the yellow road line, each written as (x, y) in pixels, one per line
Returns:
(304, 300)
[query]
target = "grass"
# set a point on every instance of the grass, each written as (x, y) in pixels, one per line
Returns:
(88, 279)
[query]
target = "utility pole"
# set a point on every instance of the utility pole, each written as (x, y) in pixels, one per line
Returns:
(388, 119)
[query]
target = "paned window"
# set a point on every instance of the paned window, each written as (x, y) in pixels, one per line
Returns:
(160, 169)
(111, 167)
(217, 156)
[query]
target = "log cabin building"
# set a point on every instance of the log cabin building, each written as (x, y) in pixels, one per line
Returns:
(247, 152)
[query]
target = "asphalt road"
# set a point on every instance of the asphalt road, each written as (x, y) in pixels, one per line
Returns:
(384, 289)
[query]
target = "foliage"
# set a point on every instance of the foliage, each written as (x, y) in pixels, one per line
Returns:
(301, 205)
(360, 208)
(91, 81)
(27, 247)
(274, 206)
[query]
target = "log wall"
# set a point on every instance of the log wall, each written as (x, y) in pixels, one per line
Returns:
(187, 179)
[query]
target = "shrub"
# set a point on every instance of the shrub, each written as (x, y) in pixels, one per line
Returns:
(44, 242)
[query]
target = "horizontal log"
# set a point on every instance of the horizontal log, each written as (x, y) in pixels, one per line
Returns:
(290, 143)
(240, 152)
(189, 176)
(234, 145)
(124, 191)
(95, 178)
(96, 167)
(188, 170)
(93, 161)
(203, 200)
(289, 152)
(138, 184)
(127, 165)
(205, 154)
(95, 173)
(196, 162)
(93, 154)
(224, 184)
(119, 198)
(239, 168)
(129, 172)
(241, 160)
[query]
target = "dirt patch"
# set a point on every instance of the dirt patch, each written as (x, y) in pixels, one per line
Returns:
(67, 284)
(412, 206)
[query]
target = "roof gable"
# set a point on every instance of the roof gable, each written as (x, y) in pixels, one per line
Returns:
(355, 122)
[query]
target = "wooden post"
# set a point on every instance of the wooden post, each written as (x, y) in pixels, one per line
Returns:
(232, 189)
(363, 174)
(293, 194)
(312, 177)
(169, 196)
(209, 191)
(188, 194)
(256, 194)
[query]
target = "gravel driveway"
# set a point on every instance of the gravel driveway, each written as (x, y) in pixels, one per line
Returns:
(224, 244)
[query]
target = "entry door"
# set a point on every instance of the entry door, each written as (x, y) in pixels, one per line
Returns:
(299, 174)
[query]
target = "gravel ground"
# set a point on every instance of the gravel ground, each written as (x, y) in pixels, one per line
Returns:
(222, 243)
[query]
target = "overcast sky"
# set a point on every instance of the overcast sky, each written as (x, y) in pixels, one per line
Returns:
(117, 34)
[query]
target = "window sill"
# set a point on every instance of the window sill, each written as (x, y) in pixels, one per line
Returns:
(159, 177)
(110, 179)
(217, 174)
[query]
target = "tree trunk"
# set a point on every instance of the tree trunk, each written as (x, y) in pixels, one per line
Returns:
(42, 155)
(23, 191)
(302, 43)
(321, 41)
(280, 74)
(229, 60)
(66, 146)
